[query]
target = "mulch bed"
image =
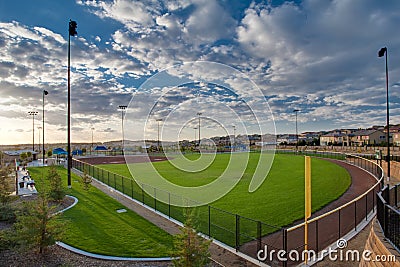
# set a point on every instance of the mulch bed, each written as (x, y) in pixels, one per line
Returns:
(57, 256)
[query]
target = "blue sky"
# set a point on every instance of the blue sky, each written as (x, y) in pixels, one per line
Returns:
(316, 56)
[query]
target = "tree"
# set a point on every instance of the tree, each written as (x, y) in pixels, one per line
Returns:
(86, 181)
(56, 190)
(23, 156)
(36, 227)
(1, 158)
(6, 184)
(49, 153)
(190, 249)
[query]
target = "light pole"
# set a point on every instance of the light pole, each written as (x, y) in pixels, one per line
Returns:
(44, 93)
(158, 134)
(33, 114)
(91, 148)
(195, 134)
(297, 135)
(381, 53)
(122, 108)
(39, 128)
(199, 114)
(71, 32)
(234, 137)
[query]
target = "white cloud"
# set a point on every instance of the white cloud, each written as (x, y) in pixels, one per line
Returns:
(48, 33)
(208, 23)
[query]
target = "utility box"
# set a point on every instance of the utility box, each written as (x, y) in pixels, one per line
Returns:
(378, 154)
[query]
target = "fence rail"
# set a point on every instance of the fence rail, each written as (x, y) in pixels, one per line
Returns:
(245, 234)
(388, 214)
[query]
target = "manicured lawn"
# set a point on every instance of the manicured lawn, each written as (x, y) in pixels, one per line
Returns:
(94, 225)
(279, 201)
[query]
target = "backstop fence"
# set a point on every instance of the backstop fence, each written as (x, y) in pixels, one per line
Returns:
(252, 237)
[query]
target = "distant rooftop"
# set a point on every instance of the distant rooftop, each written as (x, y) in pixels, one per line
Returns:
(19, 152)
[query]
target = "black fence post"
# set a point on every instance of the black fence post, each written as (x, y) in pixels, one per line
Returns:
(132, 188)
(259, 230)
(366, 207)
(108, 178)
(386, 219)
(209, 221)
(169, 205)
(237, 236)
(155, 199)
(373, 200)
(316, 236)
(355, 216)
(284, 245)
(339, 224)
(142, 195)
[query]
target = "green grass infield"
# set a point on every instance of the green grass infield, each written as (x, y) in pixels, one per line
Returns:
(95, 226)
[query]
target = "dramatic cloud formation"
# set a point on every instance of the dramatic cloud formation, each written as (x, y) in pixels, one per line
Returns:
(316, 56)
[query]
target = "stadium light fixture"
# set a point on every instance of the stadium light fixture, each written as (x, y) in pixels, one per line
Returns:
(158, 133)
(91, 148)
(43, 151)
(297, 135)
(33, 114)
(234, 137)
(122, 108)
(199, 114)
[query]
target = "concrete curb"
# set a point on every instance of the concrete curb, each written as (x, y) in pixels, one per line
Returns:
(67, 208)
(104, 257)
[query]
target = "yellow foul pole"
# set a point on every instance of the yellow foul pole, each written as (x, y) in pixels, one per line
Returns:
(307, 210)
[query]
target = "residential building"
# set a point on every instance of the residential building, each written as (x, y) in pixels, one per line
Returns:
(286, 139)
(396, 138)
(332, 138)
(369, 137)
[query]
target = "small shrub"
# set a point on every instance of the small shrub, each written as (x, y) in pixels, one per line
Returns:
(56, 190)
(36, 227)
(190, 249)
(7, 213)
(86, 181)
